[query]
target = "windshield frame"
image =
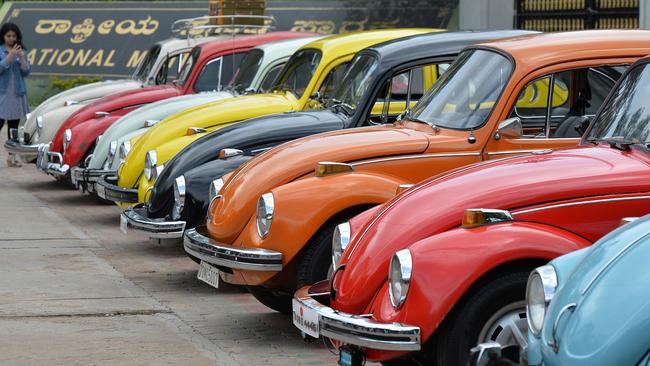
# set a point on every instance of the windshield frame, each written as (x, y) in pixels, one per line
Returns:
(285, 71)
(195, 61)
(260, 62)
(587, 138)
(151, 57)
(371, 74)
(497, 100)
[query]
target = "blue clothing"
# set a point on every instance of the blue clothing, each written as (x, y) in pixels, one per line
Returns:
(13, 92)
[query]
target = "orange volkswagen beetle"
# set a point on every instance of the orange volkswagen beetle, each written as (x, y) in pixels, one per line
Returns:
(271, 222)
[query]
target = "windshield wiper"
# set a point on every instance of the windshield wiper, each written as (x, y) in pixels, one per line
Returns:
(407, 115)
(339, 105)
(620, 144)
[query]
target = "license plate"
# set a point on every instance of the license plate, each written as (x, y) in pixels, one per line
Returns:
(101, 191)
(123, 224)
(305, 319)
(208, 274)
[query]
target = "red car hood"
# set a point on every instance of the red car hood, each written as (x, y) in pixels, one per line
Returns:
(437, 205)
(130, 98)
(299, 157)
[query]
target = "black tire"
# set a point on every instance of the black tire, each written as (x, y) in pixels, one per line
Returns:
(459, 332)
(278, 302)
(316, 259)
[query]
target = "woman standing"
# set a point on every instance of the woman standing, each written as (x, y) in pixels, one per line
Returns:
(13, 92)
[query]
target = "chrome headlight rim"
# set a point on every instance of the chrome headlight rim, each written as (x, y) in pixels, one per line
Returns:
(215, 188)
(540, 290)
(67, 137)
(124, 149)
(179, 197)
(264, 214)
(340, 241)
(399, 277)
(150, 160)
(112, 150)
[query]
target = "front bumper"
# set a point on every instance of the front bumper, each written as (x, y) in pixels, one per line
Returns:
(106, 188)
(492, 353)
(358, 330)
(199, 245)
(22, 150)
(86, 178)
(50, 162)
(136, 219)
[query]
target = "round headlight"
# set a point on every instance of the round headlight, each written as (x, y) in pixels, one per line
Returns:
(265, 208)
(340, 241)
(215, 188)
(540, 290)
(179, 197)
(399, 277)
(125, 147)
(67, 137)
(150, 161)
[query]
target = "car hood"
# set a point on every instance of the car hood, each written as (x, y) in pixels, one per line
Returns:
(127, 99)
(437, 204)
(209, 115)
(612, 308)
(259, 133)
(297, 158)
(154, 111)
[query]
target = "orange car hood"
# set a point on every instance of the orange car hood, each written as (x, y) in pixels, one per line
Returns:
(297, 158)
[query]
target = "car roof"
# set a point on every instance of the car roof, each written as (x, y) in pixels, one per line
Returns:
(287, 43)
(341, 43)
(550, 48)
(433, 44)
(222, 45)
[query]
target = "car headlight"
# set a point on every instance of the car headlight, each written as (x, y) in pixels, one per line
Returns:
(399, 277)
(150, 161)
(39, 123)
(215, 188)
(112, 149)
(179, 197)
(125, 147)
(540, 290)
(265, 208)
(67, 137)
(340, 241)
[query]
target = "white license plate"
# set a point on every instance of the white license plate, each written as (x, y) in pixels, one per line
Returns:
(101, 191)
(305, 319)
(208, 274)
(123, 224)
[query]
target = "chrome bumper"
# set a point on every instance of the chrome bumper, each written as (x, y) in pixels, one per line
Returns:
(105, 189)
(86, 178)
(199, 245)
(50, 162)
(136, 219)
(360, 331)
(15, 147)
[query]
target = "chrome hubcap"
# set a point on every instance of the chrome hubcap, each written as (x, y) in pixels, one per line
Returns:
(507, 326)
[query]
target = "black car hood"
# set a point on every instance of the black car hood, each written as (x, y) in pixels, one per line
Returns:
(248, 136)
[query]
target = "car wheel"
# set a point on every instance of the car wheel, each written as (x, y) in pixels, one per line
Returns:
(278, 302)
(316, 259)
(495, 311)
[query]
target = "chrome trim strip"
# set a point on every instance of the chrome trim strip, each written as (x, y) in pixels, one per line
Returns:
(510, 152)
(408, 157)
(358, 330)
(553, 343)
(568, 204)
(137, 220)
(252, 259)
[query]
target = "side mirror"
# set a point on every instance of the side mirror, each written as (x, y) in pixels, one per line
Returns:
(510, 128)
(315, 96)
(249, 90)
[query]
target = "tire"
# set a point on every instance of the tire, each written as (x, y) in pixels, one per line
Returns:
(316, 259)
(278, 302)
(460, 331)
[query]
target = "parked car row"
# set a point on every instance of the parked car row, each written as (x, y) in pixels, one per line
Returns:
(399, 192)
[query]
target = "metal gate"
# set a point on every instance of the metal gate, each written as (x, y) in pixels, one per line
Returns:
(565, 15)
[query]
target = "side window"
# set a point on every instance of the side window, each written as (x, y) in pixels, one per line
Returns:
(270, 77)
(230, 64)
(174, 64)
(208, 79)
(332, 81)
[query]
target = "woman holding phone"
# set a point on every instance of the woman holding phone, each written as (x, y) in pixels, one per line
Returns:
(13, 91)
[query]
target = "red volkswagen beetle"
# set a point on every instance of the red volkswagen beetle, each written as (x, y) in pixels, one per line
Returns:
(444, 265)
(209, 67)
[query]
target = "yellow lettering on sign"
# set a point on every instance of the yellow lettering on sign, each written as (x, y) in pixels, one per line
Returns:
(136, 58)
(56, 52)
(96, 60)
(81, 57)
(82, 31)
(58, 26)
(65, 57)
(31, 55)
(109, 62)
(105, 27)
(125, 27)
(44, 53)
(147, 26)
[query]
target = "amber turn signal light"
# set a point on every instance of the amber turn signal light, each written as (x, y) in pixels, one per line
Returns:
(475, 217)
(329, 168)
(195, 130)
(626, 220)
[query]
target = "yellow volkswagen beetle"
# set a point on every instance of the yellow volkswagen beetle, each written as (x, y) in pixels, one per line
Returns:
(311, 74)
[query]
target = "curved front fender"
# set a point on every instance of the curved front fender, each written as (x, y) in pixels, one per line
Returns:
(445, 266)
(84, 136)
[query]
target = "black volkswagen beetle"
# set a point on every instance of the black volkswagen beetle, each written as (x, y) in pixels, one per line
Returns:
(380, 83)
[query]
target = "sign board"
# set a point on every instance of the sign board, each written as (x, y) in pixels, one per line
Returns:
(108, 39)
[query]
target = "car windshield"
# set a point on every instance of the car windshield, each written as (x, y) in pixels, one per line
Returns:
(356, 82)
(247, 70)
(298, 73)
(465, 95)
(147, 64)
(188, 66)
(625, 116)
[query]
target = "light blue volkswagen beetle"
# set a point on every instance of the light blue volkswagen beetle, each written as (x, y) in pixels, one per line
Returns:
(589, 307)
